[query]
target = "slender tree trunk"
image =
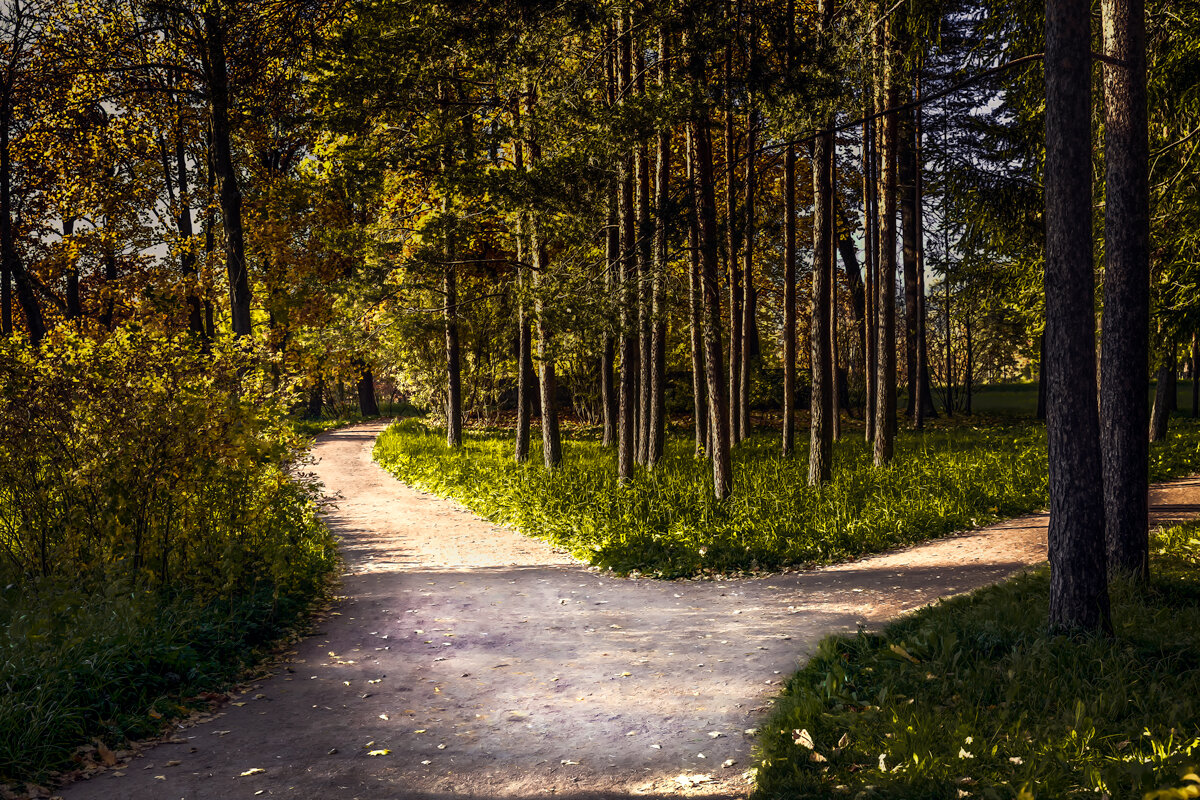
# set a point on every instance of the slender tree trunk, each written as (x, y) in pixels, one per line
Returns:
(1078, 583)
(885, 386)
(645, 257)
(871, 256)
(627, 411)
(608, 391)
(906, 158)
(969, 377)
(525, 377)
(548, 379)
(1125, 326)
(789, 265)
(733, 248)
(187, 260)
(854, 279)
(700, 414)
(658, 311)
(820, 449)
(709, 247)
(748, 303)
(454, 410)
(949, 348)
(225, 172)
(928, 410)
(14, 269)
(1160, 415)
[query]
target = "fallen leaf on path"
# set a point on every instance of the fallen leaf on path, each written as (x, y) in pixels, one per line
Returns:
(379, 752)
(252, 771)
(383, 717)
(427, 762)
(727, 763)
(802, 738)
(715, 734)
(567, 763)
(172, 763)
(160, 777)
(688, 781)
(107, 756)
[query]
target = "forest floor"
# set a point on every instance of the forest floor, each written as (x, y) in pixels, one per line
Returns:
(464, 659)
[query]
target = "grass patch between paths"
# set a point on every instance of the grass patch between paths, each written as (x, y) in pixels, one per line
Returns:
(666, 523)
(972, 698)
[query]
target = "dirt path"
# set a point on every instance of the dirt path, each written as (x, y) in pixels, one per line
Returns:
(486, 664)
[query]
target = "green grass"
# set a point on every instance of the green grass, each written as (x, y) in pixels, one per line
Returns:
(115, 664)
(973, 698)
(666, 523)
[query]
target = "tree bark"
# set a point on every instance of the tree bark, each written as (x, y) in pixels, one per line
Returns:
(789, 266)
(871, 257)
(709, 247)
(733, 248)
(187, 259)
(225, 173)
(13, 268)
(627, 408)
(645, 256)
(700, 415)
(454, 409)
(885, 385)
(1195, 375)
(608, 391)
(1078, 582)
(74, 305)
(525, 378)
(906, 158)
(1160, 415)
(748, 301)
(1125, 326)
(820, 447)
(658, 311)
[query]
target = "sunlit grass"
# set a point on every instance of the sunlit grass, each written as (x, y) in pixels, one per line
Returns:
(665, 522)
(972, 698)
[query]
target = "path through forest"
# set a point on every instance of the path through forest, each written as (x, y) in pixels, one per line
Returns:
(473, 661)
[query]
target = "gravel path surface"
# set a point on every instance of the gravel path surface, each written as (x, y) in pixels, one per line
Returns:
(475, 662)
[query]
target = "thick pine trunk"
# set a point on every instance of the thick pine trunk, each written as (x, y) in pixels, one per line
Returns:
(226, 174)
(1078, 583)
(645, 257)
(1125, 327)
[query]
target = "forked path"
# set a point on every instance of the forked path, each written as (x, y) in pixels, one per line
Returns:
(475, 662)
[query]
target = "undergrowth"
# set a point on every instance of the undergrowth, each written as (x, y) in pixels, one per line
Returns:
(972, 698)
(665, 522)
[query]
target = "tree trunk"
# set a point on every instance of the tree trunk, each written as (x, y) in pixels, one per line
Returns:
(858, 300)
(645, 256)
(748, 303)
(225, 173)
(368, 405)
(187, 259)
(885, 385)
(789, 268)
(525, 387)
(969, 376)
(700, 415)
(316, 399)
(949, 345)
(1125, 326)
(871, 257)
(14, 270)
(454, 411)
(608, 392)
(1078, 583)
(627, 410)
(658, 311)
(820, 449)
(906, 159)
(733, 247)
(1160, 416)
(709, 247)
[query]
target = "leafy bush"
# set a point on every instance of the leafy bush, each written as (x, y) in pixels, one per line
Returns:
(153, 526)
(973, 698)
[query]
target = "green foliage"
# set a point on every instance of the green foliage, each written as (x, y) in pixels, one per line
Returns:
(665, 522)
(153, 528)
(972, 698)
